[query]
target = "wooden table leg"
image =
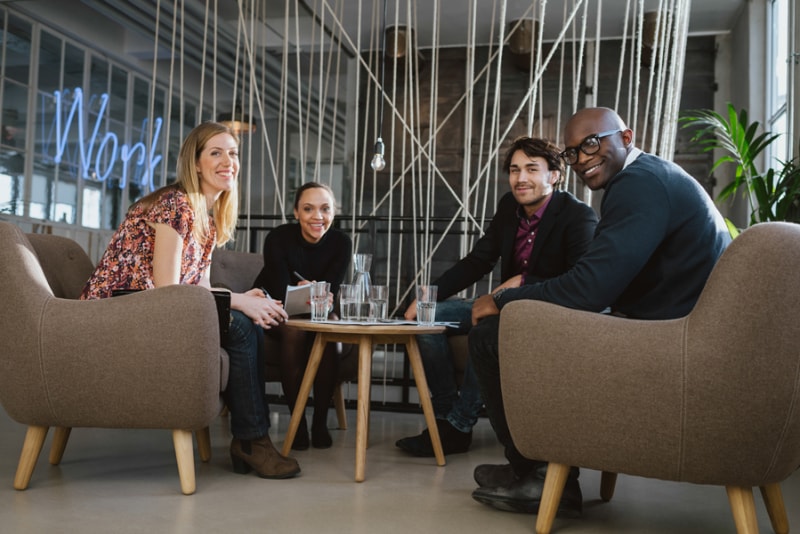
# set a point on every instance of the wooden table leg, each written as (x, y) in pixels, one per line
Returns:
(305, 388)
(425, 398)
(362, 414)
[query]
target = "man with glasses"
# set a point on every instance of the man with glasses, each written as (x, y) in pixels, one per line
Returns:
(658, 239)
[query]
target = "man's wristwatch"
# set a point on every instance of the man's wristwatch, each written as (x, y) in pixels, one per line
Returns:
(496, 296)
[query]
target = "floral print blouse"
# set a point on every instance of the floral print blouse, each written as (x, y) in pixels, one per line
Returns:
(128, 261)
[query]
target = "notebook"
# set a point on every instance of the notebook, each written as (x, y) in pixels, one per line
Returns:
(221, 298)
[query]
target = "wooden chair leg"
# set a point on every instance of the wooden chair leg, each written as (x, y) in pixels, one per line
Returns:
(608, 482)
(184, 454)
(773, 499)
(204, 444)
(60, 438)
(31, 448)
(338, 403)
(554, 483)
(743, 508)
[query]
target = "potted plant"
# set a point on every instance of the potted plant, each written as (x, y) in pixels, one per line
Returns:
(773, 195)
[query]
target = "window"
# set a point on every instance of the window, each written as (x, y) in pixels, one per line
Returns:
(778, 78)
(15, 49)
(104, 153)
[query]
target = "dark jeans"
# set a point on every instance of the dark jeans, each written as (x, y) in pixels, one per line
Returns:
(245, 394)
(484, 353)
(460, 407)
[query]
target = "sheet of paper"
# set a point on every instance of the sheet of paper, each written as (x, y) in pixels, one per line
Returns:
(297, 299)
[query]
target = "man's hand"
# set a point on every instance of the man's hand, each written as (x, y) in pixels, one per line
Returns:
(514, 281)
(483, 307)
(411, 311)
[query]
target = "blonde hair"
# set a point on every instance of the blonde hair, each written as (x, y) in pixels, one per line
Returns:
(226, 206)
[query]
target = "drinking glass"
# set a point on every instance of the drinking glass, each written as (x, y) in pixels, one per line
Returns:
(426, 305)
(378, 303)
(319, 301)
(347, 302)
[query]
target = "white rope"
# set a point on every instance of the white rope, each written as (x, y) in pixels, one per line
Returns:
(622, 52)
(412, 160)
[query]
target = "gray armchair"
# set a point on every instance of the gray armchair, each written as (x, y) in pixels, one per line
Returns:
(711, 398)
(126, 362)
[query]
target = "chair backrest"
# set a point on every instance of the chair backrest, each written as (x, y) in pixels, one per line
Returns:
(742, 360)
(710, 398)
(66, 265)
(25, 292)
(235, 270)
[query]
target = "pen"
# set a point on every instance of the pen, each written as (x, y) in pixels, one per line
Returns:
(298, 275)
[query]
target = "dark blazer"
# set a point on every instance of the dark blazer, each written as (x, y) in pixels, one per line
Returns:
(564, 233)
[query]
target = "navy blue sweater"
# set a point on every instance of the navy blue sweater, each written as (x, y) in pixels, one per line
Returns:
(659, 237)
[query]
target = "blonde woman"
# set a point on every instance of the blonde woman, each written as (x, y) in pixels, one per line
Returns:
(168, 238)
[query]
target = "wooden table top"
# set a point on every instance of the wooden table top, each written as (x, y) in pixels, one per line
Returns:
(360, 328)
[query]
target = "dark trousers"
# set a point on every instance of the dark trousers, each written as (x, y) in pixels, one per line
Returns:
(484, 353)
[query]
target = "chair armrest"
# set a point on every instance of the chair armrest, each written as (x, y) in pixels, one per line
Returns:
(146, 360)
(593, 390)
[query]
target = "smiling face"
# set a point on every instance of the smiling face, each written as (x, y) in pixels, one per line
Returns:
(314, 210)
(597, 169)
(218, 166)
(531, 181)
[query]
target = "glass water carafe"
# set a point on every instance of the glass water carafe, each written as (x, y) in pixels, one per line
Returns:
(362, 283)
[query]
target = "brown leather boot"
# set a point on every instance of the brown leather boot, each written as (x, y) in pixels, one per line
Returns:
(262, 457)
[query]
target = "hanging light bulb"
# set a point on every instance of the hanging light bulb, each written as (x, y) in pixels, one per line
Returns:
(378, 163)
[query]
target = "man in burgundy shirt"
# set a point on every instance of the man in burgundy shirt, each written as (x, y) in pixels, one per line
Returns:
(538, 232)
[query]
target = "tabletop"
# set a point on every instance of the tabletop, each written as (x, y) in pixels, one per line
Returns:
(342, 327)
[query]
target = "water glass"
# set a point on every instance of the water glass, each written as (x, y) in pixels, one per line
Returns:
(347, 302)
(378, 303)
(319, 301)
(426, 305)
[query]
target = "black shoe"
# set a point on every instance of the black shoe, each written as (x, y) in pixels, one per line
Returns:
(320, 437)
(525, 494)
(492, 476)
(453, 441)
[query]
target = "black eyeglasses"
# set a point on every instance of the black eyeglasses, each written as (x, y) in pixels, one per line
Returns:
(588, 146)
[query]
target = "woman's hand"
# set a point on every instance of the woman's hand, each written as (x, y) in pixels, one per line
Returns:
(264, 311)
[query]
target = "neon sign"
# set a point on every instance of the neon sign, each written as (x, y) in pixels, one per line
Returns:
(99, 165)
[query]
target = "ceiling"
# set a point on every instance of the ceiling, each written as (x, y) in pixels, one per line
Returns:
(455, 16)
(358, 18)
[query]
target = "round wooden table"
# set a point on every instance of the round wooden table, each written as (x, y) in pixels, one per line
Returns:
(365, 336)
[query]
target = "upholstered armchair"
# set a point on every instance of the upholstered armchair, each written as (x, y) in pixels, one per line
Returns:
(711, 398)
(147, 360)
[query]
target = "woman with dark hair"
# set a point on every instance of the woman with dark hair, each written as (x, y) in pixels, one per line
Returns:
(315, 251)
(168, 238)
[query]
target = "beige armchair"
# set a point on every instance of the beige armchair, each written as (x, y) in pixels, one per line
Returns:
(711, 398)
(127, 362)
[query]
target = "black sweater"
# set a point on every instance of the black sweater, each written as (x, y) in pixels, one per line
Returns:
(285, 251)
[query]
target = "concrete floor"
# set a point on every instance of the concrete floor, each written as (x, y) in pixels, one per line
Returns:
(125, 481)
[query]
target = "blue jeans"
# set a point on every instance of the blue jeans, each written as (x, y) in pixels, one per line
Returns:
(245, 394)
(460, 408)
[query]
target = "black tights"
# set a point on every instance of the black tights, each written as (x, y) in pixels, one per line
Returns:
(295, 348)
